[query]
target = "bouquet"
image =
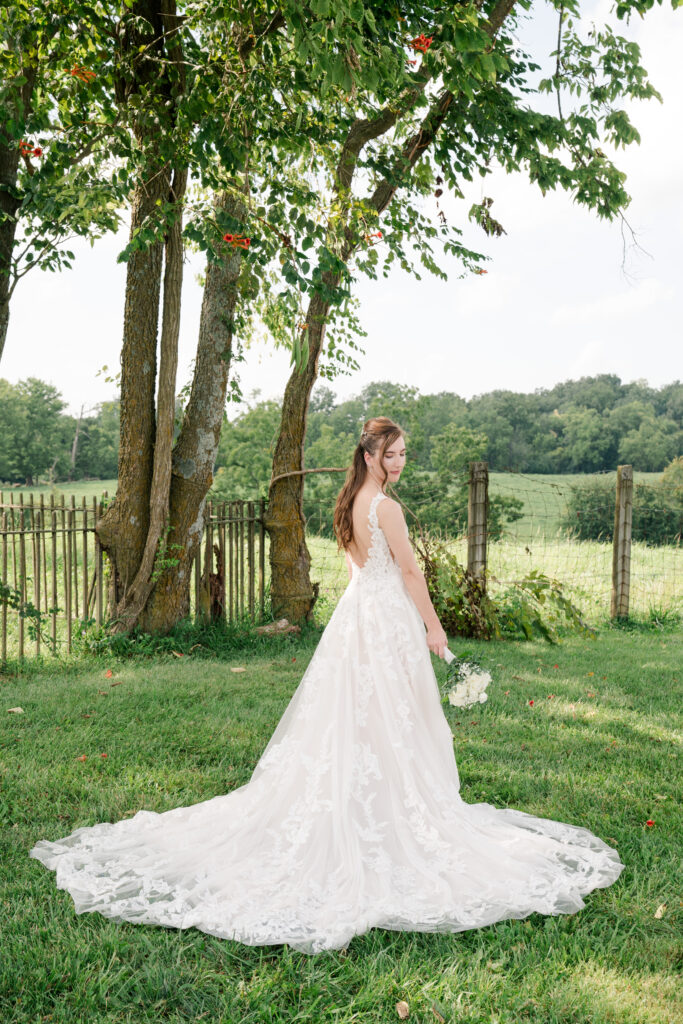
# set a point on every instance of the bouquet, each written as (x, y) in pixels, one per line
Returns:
(470, 680)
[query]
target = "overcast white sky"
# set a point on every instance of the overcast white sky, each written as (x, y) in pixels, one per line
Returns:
(555, 303)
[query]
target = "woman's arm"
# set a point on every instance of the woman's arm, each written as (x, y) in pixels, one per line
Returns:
(391, 519)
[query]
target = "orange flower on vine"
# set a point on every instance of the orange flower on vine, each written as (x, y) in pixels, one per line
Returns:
(85, 75)
(422, 42)
(237, 240)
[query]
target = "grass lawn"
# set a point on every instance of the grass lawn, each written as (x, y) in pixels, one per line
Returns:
(599, 748)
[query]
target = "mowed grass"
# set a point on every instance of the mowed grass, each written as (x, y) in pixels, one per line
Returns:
(599, 747)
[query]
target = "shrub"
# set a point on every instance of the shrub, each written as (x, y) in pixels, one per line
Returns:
(657, 512)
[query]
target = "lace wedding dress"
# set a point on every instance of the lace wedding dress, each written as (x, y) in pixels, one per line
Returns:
(352, 818)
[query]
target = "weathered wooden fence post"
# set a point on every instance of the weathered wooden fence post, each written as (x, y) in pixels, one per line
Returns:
(621, 545)
(477, 514)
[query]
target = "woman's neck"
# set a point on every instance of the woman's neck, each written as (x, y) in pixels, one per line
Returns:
(374, 479)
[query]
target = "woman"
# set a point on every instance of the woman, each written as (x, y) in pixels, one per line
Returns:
(352, 818)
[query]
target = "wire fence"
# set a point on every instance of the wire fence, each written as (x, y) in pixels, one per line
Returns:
(51, 559)
(548, 536)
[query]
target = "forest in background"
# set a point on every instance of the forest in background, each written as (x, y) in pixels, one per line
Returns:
(578, 426)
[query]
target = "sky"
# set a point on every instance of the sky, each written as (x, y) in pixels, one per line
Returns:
(560, 299)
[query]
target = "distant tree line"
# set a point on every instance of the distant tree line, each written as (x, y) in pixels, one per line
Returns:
(39, 441)
(584, 426)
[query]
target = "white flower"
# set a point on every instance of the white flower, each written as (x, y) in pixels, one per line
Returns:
(470, 688)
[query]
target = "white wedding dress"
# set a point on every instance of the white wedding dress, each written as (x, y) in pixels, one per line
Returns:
(352, 818)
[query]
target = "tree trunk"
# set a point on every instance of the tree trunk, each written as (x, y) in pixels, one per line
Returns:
(195, 450)
(131, 603)
(9, 163)
(291, 591)
(123, 528)
(9, 203)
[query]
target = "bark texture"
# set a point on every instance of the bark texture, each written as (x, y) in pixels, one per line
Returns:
(291, 592)
(123, 528)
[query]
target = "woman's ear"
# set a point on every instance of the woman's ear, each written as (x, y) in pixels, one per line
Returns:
(367, 457)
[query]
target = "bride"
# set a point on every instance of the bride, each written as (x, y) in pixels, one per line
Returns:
(352, 818)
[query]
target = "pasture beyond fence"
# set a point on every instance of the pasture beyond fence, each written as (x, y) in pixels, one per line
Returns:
(51, 558)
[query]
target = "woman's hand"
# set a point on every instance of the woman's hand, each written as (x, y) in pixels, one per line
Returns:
(437, 641)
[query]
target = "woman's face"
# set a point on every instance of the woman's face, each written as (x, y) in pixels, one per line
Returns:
(393, 461)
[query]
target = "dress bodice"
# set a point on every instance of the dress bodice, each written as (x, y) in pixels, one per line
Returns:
(379, 561)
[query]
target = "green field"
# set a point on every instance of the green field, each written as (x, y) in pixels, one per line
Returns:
(87, 489)
(545, 498)
(583, 567)
(599, 747)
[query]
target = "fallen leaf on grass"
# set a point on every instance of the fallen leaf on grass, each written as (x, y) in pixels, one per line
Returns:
(438, 1012)
(660, 911)
(81, 758)
(103, 693)
(108, 674)
(649, 823)
(118, 684)
(15, 711)
(590, 673)
(178, 654)
(103, 755)
(237, 668)
(660, 796)
(402, 1009)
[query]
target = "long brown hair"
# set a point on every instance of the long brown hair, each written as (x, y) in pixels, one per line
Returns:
(377, 435)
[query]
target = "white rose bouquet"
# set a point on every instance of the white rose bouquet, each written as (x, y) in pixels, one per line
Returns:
(470, 680)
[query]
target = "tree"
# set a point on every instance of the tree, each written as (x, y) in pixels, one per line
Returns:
(468, 106)
(235, 95)
(57, 129)
(31, 428)
(585, 441)
(652, 445)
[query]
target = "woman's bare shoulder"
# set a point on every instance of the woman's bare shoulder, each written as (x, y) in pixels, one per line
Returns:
(390, 510)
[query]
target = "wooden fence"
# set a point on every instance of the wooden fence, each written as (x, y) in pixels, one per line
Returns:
(51, 560)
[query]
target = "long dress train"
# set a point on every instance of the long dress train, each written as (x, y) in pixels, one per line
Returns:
(352, 818)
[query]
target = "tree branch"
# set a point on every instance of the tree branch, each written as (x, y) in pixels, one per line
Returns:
(426, 133)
